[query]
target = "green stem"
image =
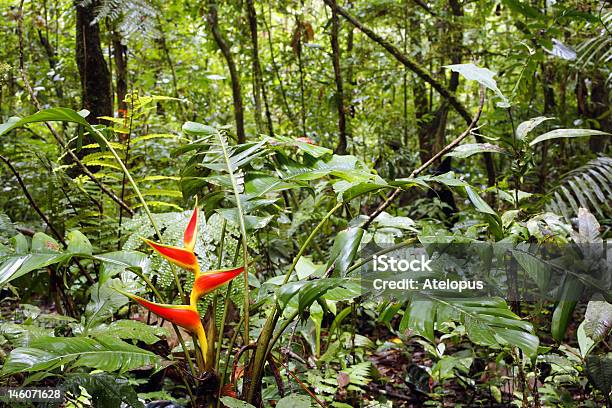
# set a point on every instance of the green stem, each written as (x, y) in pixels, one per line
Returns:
(283, 327)
(245, 250)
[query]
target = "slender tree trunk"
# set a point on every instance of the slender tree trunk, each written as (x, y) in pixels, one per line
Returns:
(213, 20)
(342, 142)
(51, 58)
(120, 56)
(95, 77)
(298, 50)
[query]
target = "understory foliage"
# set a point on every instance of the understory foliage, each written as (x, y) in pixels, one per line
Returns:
(476, 132)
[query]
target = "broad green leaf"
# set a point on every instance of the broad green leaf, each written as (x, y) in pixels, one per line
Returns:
(585, 343)
(78, 243)
(13, 267)
(480, 204)
(46, 115)
(524, 128)
(103, 353)
(230, 402)
(307, 291)
(535, 268)
(599, 370)
(483, 76)
(294, 401)
(467, 150)
(105, 301)
(198, 129)
(130, 329)
(567, 133)
(570, 291)
(344, 249)
(420, 317)
(598, 319)
(114, 263)
(526, 341)
(21, 335)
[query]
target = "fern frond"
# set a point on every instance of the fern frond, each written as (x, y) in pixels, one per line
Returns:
(588, 186)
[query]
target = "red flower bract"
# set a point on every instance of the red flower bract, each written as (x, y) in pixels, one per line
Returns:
(178, 256)
(209, 281)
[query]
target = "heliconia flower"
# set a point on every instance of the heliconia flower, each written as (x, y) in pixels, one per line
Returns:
(211, 280)
(182, 315)
(181, 257)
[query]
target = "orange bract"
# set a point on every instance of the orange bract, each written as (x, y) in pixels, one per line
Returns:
(209, 281)
(178, 256)
(181, 315)
(191, 232)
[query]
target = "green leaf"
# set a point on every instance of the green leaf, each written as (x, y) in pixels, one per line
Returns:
(103, 353)
(14, 267)
(567, 133)
(307, 291)
(130, 329)
(345, 247)
(198, 129)
(598, 319)
(570, 291)
(294, 401)
(106, 390)
(78, 243)
(524, 128)
(480, 204)
(21, 335)
(467, 150)
(420, 317)
(585, 343)
(230, 402)
(483, 76)
(105, 301)
(535, 268)
(51, 115)
(599, 370)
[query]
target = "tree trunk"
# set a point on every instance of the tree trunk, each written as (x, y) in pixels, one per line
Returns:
(120, 56)
(342, 142)
(94, 74)
(213, 20)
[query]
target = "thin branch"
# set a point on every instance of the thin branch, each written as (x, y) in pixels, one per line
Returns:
(429, 162)
(36, 208)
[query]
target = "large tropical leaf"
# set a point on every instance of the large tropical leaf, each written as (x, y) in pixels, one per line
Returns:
(102, 353)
